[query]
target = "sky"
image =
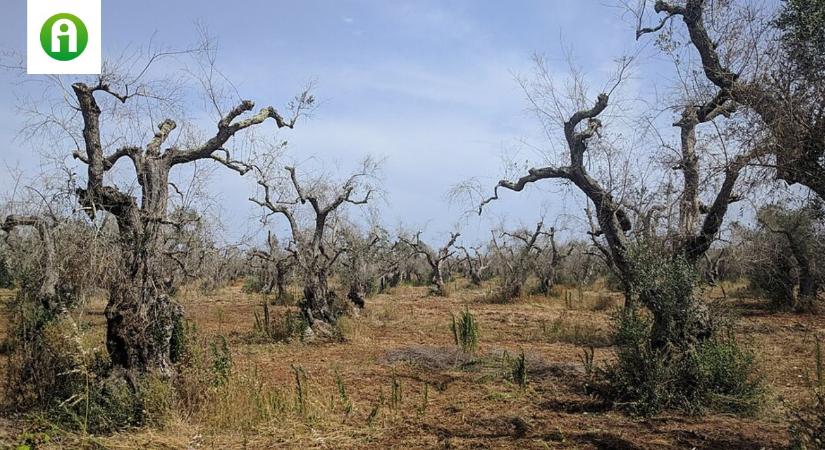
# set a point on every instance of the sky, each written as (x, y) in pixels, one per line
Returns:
(427, 85)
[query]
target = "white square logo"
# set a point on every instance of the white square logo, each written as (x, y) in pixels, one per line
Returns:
(63, 37)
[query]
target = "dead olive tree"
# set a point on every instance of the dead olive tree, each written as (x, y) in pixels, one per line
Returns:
(140, 315)
(579, 128)
(615, 212)
(277, 268)
(366, 262)
(549, 259)
(435, 259)
(516, 255)
(475, 265)
(315, 248)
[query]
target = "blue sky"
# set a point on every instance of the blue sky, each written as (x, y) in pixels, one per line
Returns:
(428, 85)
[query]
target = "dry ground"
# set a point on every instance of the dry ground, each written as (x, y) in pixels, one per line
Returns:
(404, 336)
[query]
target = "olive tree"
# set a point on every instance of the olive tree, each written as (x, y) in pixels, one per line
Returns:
(316, 248)
(435, 258)
(107, 117)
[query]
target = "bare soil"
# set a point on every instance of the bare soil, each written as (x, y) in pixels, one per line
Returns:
(470, 402)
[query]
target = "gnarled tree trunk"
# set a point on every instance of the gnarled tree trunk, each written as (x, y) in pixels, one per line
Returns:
(140, 316)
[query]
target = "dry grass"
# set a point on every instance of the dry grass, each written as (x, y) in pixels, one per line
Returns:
(407, 386)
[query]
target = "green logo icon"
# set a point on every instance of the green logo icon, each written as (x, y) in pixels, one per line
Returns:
(64, 37)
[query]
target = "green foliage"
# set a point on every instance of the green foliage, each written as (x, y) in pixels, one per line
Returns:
(517, 369)
(342, 394)
(395, 395)
(32, 440)
(716, 374)
(784, 255)
(670, 355)
(300, 390)
(284, 329)
(221, 360)
(181, 335)
(802, 23)
(465, 331)
(665, 284)
(253, 284)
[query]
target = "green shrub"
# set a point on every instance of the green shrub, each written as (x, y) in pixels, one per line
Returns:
(252, 284)
(717, 374)
(221, 360)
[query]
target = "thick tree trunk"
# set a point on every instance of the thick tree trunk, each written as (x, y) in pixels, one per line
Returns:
(475, 276)
(316, 304)
(689, 203)
(808, 285)
(439, 287)
(357, 294)
(140, 315)
(548, 281)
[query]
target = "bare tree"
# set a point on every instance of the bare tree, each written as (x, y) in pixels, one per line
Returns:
(612, 219)
(517, 259)
(314, 250)
(435, 259)
(362, 268)
(278, 265)
(549, 260)
(140, 315)
(475, 265)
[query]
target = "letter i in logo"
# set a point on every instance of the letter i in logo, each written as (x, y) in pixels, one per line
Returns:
(64, 37)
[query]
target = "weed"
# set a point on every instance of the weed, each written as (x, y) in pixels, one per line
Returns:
(300, 390)
(376, 409)
(518, 370)
(290, 325)
(571, 331)
(587, 360)
(425, 399)
(395, 396)
(342, 394)
(465, 331)
(221, 360)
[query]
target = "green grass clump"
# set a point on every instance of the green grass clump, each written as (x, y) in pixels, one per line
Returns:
(465, 331)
